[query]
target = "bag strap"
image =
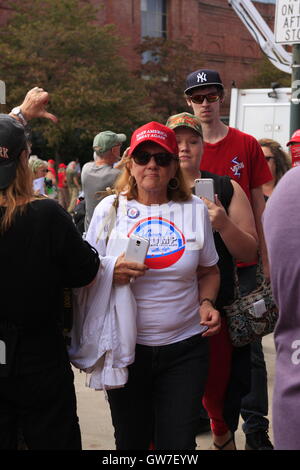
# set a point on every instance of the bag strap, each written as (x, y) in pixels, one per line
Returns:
(110, 219)
(114, 207)
(260, 278)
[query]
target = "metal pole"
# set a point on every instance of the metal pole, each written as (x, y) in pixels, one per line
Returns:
(295, 100)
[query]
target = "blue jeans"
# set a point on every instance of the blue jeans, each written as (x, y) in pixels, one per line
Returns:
(254, 405)
(160, 402)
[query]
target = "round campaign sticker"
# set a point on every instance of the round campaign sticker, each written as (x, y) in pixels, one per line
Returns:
(167, 242)
(133, 213)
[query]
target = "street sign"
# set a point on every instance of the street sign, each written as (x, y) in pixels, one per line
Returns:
(287, 22)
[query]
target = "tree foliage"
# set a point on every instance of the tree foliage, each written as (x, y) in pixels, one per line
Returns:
(264, 74)
(164, 74)
(58, 45)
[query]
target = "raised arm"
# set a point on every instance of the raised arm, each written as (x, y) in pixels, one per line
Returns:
(33, 106)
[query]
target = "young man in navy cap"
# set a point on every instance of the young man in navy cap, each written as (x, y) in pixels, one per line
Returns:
(228, 151)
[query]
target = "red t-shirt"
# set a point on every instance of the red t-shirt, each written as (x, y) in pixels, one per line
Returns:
(238, 156)
(62, 178)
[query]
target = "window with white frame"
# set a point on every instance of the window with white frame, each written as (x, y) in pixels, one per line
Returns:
(154, 18)
(153, 23)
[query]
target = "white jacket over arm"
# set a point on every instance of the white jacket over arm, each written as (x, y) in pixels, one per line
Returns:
(103, 336)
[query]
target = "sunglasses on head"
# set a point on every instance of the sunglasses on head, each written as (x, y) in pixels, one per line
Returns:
(161, 158)
(210, 97)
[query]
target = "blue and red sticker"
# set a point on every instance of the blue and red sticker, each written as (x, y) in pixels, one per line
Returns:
(167, 242)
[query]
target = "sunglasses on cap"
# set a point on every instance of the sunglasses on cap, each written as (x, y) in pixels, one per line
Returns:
(161, 158)
(210, 97)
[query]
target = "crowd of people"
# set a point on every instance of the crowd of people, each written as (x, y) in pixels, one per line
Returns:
(62, 182)
(163, 354)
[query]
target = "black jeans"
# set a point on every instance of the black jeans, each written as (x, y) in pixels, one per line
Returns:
(160, 402)
(43, 406)
(254, 405)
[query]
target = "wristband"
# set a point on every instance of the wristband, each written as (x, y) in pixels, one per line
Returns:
(17, 112)
(206, 299)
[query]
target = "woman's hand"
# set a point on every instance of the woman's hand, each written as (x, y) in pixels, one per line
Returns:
(34, 105)
(125, 271)
(217, 214)
(210, 317)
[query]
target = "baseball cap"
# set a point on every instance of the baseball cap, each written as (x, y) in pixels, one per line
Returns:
(202, 77)
(186, 120)
(155, 132)
(62, 165)
(295, 138)
(108, 139)
(12, 142)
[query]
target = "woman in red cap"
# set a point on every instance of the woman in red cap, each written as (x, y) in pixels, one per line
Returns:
(174, 293)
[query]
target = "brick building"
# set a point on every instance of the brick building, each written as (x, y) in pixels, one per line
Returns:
(216, 31)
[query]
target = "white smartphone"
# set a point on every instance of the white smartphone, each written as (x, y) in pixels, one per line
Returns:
(204, 187)
(137, 249)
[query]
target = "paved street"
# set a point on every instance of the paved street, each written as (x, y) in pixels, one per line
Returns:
(95, 421)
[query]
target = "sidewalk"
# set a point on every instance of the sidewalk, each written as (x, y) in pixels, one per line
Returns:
(95, 421)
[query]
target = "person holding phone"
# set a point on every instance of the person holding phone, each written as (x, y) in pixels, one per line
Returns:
(235, 238)
(174, 291)
(228, 151)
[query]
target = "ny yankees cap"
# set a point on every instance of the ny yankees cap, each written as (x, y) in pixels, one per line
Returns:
(202, 77)
(155, 132)
(12, 142)
(107, 140)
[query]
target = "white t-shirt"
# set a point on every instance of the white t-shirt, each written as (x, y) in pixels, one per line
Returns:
(181, 238)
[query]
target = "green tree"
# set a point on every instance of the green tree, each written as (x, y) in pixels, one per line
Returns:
(58, 45)
(164, 74)
(264, 74)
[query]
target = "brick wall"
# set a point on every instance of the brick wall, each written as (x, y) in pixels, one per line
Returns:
(215, 29)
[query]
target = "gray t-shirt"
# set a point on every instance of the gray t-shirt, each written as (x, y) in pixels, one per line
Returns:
(281, 223)
(95, 178)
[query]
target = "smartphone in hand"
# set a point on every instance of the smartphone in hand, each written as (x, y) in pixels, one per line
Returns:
(137, 249)
(204, 187)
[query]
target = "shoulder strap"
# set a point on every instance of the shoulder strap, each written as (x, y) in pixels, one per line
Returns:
(110, 219)
(115, 206)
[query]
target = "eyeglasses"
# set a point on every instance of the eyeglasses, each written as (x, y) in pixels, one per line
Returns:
(161, 159)
(269, 158)
(210, 97)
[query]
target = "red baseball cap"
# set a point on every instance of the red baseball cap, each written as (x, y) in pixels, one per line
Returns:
(155, 132)
(62, 165)
(295, 138)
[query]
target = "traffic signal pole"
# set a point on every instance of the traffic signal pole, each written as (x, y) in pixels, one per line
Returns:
(295, 86)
